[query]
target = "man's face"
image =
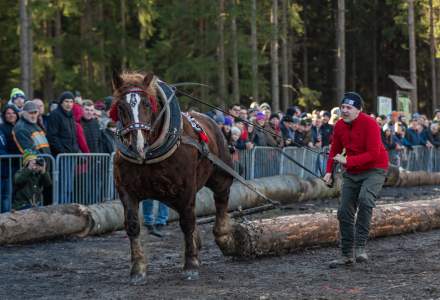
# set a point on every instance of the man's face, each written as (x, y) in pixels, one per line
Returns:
(40, 106)
(243, 114)
(235, 111)
(349, 112)
(10, 116)
(33, 116)
(67, 104)
(89, 112)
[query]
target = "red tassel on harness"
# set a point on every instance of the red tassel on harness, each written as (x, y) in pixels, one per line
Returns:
(153, 103)
(114, 112)
(203, 137)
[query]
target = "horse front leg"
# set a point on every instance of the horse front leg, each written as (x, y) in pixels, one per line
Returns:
(139, 267)
(192, 240)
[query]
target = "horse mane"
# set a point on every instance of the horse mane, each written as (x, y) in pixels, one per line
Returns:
(134, 78)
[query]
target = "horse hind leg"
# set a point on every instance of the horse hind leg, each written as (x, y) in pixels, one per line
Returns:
(223, 225)
(192, 241)
(139, 267)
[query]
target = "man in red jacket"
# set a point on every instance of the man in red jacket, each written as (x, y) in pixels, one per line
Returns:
(358, 147)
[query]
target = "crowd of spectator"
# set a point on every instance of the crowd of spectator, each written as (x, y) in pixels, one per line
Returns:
(76, 125)
(72, 125)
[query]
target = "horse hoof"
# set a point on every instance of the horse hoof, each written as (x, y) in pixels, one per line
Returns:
(191, 275)
(138, 279)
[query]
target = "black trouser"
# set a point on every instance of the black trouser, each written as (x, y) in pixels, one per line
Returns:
(359, 193)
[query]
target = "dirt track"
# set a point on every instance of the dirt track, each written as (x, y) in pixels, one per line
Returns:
(401, 267)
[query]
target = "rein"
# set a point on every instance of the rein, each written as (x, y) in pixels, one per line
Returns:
(267, 131)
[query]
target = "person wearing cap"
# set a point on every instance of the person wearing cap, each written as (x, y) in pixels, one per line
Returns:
(259, 137)
(17, 99)
(27, 133)
(357, 146)
(288, 130)
(30, 182)
(61, 133)
(61, 127)
(326, 129)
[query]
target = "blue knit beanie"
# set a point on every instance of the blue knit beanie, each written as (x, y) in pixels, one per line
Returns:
(353, 99)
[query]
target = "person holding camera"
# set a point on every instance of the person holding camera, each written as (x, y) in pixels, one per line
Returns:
(30, 182)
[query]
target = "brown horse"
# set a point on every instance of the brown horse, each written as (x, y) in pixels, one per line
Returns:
(176, 174)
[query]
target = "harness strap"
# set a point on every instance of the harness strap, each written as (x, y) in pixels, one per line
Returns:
(222, 165)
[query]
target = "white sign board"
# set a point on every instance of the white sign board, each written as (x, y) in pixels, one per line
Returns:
(384, 105)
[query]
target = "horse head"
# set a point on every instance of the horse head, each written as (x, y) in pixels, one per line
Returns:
(136, 108)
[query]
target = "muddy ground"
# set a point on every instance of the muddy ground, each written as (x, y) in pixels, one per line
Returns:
(401, 267)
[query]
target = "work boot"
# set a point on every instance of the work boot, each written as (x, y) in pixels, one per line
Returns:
(344, 261)
(153, 231)
(361, 255)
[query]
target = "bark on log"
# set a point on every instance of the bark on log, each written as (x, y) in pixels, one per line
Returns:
(50, 222)
(289, 233)
(397, 177)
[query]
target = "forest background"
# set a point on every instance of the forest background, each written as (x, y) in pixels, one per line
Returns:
(284, 52)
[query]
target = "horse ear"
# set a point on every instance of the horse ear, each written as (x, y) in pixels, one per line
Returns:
(117, 80)
(148, 78)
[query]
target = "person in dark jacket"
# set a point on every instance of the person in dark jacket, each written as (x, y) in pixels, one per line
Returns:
(61, 127)
(94, 137)
(61, 132)
(8, 165)
(30, 182)
(434, 134)
(91, 128)
(365, 161)
(27, 134)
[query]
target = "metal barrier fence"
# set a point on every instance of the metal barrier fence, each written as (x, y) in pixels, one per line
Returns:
(88, 178)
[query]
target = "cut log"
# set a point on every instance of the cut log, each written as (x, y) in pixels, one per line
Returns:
(397, 177)
(290, 233)
(43, 223)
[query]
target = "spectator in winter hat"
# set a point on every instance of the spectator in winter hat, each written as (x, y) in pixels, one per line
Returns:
(61, 127)
(17, 99)
(27, 133)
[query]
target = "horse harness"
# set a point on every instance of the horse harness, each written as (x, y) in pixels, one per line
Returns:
(172, 138)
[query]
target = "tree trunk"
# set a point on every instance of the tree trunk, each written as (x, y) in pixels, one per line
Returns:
(340, 53)
(254, 45)
(58, 32)
(235, 75)
(101, 37)
(433, 54)
(289, 233)
(305, 57)
(123, 37)
(284, 61)
(25, 64)
(30, 52)
(221, 52)
(412, 56)
(374, 54)
(274, 57)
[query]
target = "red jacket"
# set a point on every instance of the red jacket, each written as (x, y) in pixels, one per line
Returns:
(363, 145)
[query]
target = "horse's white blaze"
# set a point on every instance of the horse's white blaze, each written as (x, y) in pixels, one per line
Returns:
(133, 99)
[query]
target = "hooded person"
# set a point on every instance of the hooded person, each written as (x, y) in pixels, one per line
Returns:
(27, 133)
(17, 99)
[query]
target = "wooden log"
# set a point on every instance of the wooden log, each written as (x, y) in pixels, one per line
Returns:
(290, 233)
(43, 223)
(397, 177)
